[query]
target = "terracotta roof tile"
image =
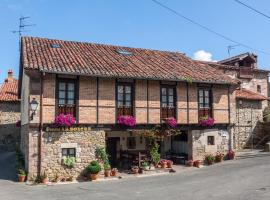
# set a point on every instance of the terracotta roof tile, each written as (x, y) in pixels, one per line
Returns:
(247, 94)
(104, 61)
(9, 91)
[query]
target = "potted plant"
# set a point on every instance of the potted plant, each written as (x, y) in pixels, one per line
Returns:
(44, 178)
(206, 121)
(169, 163)
(219, 157)
(197, 163)
(163, 163)
(135, 169)
(210, 159)
(107, 169)
(190, 163)
(114, 172)
(145, 165)
(155, 156)
(94, 168)
(127, 120)
(21, 175)
(231, 155)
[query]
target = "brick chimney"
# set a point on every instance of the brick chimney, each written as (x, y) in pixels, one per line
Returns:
(10, 76)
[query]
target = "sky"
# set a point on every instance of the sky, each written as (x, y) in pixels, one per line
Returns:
(138, 23)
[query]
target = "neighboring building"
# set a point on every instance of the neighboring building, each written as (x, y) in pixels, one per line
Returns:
(97, 83)
(9, 114)
(251, 97)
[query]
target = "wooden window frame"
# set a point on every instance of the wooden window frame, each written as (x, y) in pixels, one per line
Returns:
(162, 109)
(133, 146)
(68, 152)
(259, 89)
(131, 109)
(206, 111)
(66, 81)
(210, 140)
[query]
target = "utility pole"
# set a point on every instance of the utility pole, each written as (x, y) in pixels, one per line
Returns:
(21, 29)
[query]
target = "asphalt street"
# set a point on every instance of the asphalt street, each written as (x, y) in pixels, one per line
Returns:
(244, 179)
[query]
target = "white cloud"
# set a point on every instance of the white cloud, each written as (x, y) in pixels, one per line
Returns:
(203, 55)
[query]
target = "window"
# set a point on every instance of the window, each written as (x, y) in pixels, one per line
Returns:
(210, 140)
(259, 89)
(131, 143)
(66, 97)
(71, 152)
(124, 99)
(205, 103)
(167, 101)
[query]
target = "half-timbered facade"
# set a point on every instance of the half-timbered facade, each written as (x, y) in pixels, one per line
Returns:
(98, 83)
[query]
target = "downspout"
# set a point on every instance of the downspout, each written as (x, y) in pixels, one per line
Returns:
(40, 125)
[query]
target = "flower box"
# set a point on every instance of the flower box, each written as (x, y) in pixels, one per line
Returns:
(127, 120)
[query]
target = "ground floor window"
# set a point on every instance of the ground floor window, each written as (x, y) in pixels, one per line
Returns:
(131, 143)
(211, 140)
(69, 152)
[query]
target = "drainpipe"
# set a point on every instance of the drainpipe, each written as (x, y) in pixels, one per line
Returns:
(40, 125)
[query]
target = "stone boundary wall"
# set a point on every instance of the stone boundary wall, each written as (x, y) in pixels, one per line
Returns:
(9, 132)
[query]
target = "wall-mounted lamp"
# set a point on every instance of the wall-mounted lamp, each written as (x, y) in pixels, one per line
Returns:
(33, 107)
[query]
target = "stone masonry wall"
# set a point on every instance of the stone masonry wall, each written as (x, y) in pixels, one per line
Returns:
(248, 118)
(200, 148)
(85, 144)
(9, 133)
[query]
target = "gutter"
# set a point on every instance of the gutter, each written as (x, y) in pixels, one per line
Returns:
(127, 77)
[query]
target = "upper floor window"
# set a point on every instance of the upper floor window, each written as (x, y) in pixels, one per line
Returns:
(66, 97)
(168, 101)
(259, 89)
(205, 102)
(124, 99)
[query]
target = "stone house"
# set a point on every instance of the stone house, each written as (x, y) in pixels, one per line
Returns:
(251, 97)
(97, 83)
(9, 114)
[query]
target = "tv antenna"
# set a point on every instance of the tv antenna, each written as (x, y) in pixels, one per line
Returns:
(230, 48)
(22, 25)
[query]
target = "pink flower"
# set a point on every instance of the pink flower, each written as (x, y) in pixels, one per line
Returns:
(207, 121)
(64, 120)
(171, 122)
(127, 120)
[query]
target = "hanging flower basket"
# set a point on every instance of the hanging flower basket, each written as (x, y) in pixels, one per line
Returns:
(64, 120)
(207, 121)
(171, 122)
(128, 120)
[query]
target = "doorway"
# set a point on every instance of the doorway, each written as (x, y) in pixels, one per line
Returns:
(113, 147)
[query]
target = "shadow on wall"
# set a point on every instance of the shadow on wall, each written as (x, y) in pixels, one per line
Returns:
(7, 163)
(9, 137)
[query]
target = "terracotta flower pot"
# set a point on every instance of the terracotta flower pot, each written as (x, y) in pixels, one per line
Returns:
(21, 178)
(135, 170)
(169, 164)
(197, 163)
(190, 163)
(113, 173)
(164, 165)
(107, 173)
(45, 180)
(94, 177)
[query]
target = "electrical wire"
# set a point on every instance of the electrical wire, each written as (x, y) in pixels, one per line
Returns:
(207, 28)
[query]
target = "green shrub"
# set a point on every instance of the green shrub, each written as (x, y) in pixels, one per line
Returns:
(107, 166)
(155, 156)
(21, 172)
(102, 155)
(69, 161)
(94, 167)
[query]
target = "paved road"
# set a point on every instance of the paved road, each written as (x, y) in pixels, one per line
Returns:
(245, 179)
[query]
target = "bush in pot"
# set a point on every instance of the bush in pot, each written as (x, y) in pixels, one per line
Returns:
(231, 155)
(21, 175)
(219, 157)
(44, 178)
(135, 169)
(210, 159)
(197, 163)
(107, 169)
(190, 163)
(94, 168)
